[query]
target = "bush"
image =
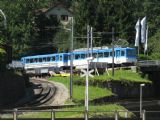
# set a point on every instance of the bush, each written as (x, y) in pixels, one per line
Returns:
(144, 57)
(155, 56)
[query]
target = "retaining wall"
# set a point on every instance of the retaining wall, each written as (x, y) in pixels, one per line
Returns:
(12, 88)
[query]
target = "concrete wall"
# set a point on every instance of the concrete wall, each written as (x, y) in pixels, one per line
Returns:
(130, 90)
(12, 88)
(124, 89)
(155, 77)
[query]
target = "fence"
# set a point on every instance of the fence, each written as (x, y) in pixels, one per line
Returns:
(149, 63)
(92, 115)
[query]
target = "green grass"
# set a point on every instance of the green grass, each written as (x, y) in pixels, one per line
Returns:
(94, 92)
(63, 80)
(79, 90)
(98, 111)
(128, 75)
(120, 75)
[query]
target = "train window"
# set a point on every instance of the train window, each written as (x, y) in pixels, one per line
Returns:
(95, 55)
(60, 58)
(83, 56)
(111, 53)
(31, 60)
(106, 54)
(100, 54)
(40, 59)
(53, 58)
(69, 57)
(117, 53)
(77, 56)
(44, 59)
(57, 58)
(122, 53)
(65, 57)
(48, 58)
(129, 52)
(35, 60)
(133, 52)
(27, 60)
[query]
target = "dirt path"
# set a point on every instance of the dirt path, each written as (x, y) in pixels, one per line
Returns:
(61, 94)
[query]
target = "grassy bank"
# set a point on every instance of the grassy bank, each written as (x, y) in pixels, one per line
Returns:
(79, 90)
(125, 76)
(95, 92)
(98, 111)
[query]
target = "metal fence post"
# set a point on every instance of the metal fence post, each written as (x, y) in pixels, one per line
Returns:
(144, 115)
(126, 114)
(52, 114)
(15, 114)
(86, 114)
(116, 115)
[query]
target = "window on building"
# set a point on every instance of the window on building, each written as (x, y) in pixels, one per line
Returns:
(64, 17)
(53, 16)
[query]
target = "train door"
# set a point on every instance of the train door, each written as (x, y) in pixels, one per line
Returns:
(65, 59)
(57, 58)
(117, 57)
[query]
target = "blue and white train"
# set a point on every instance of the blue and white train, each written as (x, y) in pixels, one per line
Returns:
(40, 64)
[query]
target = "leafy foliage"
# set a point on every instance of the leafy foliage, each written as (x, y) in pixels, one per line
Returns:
(28, 34)
(2, 59)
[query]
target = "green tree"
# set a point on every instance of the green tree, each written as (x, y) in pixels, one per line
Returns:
(2, 59)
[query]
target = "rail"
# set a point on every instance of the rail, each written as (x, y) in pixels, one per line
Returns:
(116, 115)
(146, 63)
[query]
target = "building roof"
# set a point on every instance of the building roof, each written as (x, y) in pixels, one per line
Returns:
(45, 10)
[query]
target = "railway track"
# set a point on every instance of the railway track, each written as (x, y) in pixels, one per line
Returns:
(40, 93)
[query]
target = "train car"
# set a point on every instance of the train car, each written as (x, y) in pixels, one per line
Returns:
(41, 64)
(125, 56)
(121, 55)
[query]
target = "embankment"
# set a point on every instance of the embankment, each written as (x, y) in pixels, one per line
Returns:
(12, 88)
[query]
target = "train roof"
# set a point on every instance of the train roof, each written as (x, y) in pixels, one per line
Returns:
(103, 49)
(46, 55)
(82, 50)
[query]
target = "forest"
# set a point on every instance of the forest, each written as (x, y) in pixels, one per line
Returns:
(26, 30)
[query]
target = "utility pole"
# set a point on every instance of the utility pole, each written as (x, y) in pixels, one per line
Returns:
(91, 41)
(71, 61)
(141, 85)
(112, 51)
(88, 36)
